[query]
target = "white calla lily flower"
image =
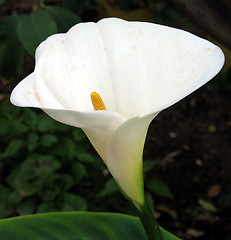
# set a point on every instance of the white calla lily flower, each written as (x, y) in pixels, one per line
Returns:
(137, 68)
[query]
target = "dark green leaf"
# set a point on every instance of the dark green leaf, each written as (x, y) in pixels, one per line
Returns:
(78, 134)
(45, 124)
(149, 165)
(20, 184)
(13, 199)
(76, 226)
(64, 18)
(13, 148)
(87, 157)
(66, 147)
(159, 188)
(33, 174)
(78, 170)
(32, 142)
(46, 207)
(39, 166)
(48, 140)
(74, 203)
(27, 206)
(8, 200)
(110, 187)
(18, 127)
(31, 118)
(11, 49)
(65, 182)
(76, 6)
(36, 28)
(4, 192)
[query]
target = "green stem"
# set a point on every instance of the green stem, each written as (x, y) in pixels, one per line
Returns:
(149, 222)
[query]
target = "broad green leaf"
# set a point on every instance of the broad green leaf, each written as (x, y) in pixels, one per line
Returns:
(64, 18)
(157, 186)
(11, 49)
(2, 1)
(75, 226)
(35, 28)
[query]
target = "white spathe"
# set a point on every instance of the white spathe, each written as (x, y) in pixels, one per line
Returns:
(137, 68)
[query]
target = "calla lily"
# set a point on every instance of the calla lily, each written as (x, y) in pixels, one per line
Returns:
(137, 68)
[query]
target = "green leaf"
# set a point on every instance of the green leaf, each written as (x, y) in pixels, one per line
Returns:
(66, 148)
(39, 167)
(27, 206)
(34, 173)
(2, 1)
(78, 170)
(32, 142)
(76, 6)
(36, 28)
(18, 127)
(157, 186)
(75, 226)
(45, 123)
(13, 148)
(110, 187)
(46, 207)
(48, 140)
(86, 157)
(30, 118)
(64, 18)
(207, 205)
(78, 134)
(149, 165)
(4, 193)
(11, 49)
(74, 203)
(8, 200)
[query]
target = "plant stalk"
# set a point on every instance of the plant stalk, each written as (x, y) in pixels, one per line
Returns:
(149, 222)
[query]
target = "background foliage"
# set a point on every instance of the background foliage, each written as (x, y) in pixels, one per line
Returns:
(46, 166)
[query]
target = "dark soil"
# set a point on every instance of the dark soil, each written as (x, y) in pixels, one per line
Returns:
(191, 140)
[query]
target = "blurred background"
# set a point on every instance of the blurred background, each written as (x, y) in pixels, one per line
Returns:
(47, 166)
